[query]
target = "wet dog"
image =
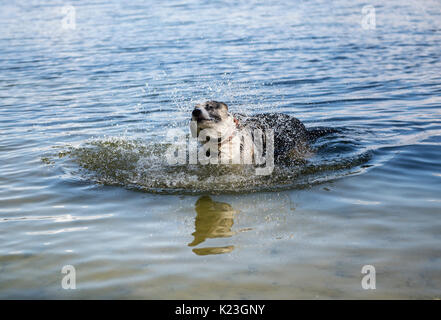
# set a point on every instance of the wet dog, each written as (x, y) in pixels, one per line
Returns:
(214, 124)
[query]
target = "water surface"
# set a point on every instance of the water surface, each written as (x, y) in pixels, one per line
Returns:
(81, 109)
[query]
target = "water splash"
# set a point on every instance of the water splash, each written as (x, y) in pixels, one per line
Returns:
(141, 165)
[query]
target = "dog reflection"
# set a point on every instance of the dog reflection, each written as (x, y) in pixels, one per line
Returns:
(213, 220)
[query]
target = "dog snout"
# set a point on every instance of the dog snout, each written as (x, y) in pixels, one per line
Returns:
(196, 112)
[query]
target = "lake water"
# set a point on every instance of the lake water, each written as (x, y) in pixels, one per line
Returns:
(82, 98)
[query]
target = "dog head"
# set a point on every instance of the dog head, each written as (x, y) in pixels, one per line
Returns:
(214, 117)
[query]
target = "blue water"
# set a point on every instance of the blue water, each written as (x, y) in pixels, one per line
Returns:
(128, 72)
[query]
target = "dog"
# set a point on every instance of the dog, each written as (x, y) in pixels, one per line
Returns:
(232, 132)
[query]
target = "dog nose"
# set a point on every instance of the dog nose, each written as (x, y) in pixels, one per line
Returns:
(196, 112)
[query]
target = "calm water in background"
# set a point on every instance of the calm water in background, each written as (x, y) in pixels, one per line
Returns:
(132, 70)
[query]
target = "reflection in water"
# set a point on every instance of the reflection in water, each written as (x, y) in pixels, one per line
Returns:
(213, 220)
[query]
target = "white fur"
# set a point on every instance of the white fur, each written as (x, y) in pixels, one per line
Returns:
(229, 149)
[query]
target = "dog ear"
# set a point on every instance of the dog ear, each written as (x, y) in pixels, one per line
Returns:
(223, 105)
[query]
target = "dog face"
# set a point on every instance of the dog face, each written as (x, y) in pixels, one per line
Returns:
(214, 116)
(209, 113)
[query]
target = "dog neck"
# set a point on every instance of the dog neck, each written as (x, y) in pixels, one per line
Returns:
(230, 138)
(238, 146)
(235, 140)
